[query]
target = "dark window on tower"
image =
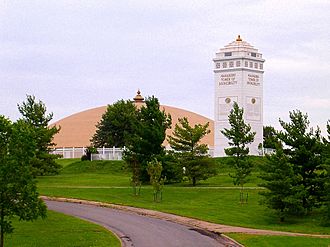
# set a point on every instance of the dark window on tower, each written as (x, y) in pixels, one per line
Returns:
(253, 54)
(227, 54)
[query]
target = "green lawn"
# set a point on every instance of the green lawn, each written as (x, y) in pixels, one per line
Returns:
(212, 200)
(275, 241)
(59, 230)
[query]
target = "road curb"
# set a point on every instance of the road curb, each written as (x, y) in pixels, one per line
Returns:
(211, 227)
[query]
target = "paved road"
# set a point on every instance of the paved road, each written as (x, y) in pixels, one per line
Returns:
(140, 231)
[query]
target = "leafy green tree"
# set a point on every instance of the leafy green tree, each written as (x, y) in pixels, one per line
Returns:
(18, 192)
(270, 137)
(239, 136)
(157, 181)
(191, 154)
(283, 194)
(304, 147)
(35, 114)
(146, 141)
(116, 125)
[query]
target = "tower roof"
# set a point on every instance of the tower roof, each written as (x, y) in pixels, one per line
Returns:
(238, 44)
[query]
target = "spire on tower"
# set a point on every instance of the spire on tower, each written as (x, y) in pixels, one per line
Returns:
(239, 38)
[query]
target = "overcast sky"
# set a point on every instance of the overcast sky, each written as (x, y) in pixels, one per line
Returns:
(75, 55)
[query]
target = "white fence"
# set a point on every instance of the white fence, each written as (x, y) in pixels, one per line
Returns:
(103, 153)
(117, 153)
(108, 154)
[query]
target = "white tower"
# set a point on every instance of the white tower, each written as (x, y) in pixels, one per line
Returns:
(238, 74)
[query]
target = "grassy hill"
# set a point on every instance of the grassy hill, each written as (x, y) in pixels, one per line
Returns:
(215, 200)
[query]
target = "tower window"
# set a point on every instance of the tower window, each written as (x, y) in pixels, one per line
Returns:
(251, 65)
(224, 65)
(246, 64)
(253, 54)
(217, 65)
(255, 65)
(261, 66)
(228, 54)
(231, 64)
(238, 63)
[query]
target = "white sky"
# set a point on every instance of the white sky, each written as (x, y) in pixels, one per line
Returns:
(75, 55)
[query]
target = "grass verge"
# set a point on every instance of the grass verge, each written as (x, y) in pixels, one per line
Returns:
(59, 230)
(274, 241)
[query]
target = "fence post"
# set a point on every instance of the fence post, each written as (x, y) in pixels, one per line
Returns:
(73, 150)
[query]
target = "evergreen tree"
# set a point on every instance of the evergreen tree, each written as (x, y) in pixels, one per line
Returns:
(18, 191)
(304, 148)
(191, 154)
(35, 114)
(326, 155)
(239, 136)
(270, 137)
(146, 141)
(116, 125)
(284, 194)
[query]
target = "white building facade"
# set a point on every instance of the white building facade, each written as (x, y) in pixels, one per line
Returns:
(238, 75)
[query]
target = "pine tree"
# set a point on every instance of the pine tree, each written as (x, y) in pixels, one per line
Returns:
(284, 194)
(239, 136)
(35, 114)
(304, 148)
(146, 141)
(191, 153)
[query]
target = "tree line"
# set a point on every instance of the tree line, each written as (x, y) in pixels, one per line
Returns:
(297, 175)
(142, 131)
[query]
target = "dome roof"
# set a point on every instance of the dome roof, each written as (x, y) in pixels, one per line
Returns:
(78, 129)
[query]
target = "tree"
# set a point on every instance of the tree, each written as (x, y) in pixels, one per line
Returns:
(116, 125)
(18, 192)
(35, 114)
(304, 147)
(284, 194)
(157, 181)
(146, 141)
(326, 155)
(239, 136)
(191, 154)
(270, 137)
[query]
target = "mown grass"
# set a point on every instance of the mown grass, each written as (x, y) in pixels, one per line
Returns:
(211, 200)
(59, 230)
(211, 204)
(274, 241)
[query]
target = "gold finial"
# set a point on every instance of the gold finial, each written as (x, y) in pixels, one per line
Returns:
(138, 98)
(239, 38)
